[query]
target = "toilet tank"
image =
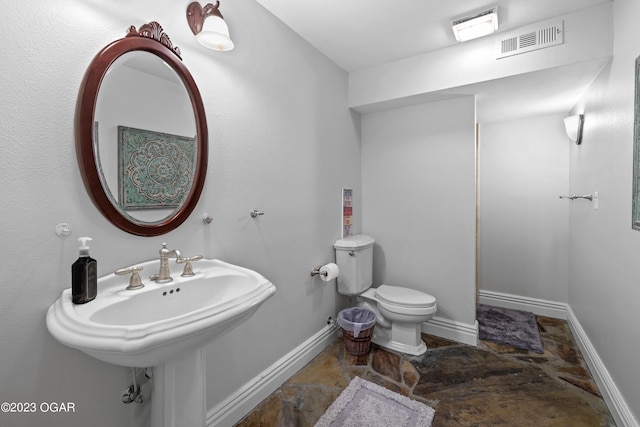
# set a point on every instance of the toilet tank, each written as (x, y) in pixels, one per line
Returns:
(354, 256)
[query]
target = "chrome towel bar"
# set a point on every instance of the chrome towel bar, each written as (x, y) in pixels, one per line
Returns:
(575, 196)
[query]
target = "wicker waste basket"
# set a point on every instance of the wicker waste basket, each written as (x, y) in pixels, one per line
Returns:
(357, 328)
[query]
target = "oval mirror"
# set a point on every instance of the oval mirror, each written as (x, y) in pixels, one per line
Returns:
(141, 133)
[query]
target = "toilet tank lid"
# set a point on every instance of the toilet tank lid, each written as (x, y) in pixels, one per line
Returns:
(359, 241)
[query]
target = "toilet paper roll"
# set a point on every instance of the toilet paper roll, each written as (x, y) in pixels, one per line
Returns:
(329, 272)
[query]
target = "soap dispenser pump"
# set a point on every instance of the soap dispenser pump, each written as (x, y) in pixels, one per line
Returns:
(84, 275)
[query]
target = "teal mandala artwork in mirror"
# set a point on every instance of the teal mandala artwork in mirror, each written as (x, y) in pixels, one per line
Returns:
(155, 170)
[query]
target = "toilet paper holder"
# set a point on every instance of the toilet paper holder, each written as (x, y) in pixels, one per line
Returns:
(316, 271)
(326, 272)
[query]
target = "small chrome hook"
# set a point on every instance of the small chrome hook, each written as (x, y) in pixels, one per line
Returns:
(254, 213)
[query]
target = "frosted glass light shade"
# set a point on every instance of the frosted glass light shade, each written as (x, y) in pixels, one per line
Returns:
(479, 25)
(573, 126)
(215, 34)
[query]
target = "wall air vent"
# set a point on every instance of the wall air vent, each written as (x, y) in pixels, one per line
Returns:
(539, 36)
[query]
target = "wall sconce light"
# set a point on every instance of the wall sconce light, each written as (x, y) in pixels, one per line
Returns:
(477, 25)
(212, 33)
(573, 125)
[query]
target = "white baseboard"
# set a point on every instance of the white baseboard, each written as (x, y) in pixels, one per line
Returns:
(557, 310)
(450, 329)
(240, 403)
(610, 393)
(615, 402)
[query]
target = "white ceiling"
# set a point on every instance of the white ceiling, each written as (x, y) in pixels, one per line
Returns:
(357, 34)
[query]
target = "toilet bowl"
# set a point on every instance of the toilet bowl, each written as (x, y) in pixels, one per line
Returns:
(400, 311)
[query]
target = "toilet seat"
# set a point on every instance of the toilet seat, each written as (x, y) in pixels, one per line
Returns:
(398, 299)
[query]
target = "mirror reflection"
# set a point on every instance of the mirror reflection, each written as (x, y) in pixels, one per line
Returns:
(144, 137)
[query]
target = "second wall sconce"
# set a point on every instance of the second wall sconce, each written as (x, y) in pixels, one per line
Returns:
(213, 32)
(573, 125)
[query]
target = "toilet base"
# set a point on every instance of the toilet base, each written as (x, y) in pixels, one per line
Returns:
(411, 344)
(398, 334)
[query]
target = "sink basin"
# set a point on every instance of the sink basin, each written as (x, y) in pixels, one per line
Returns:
(155, 324)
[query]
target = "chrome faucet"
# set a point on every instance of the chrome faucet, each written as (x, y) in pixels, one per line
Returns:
(164, 275)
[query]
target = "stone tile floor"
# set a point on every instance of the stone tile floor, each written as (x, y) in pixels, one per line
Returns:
(488, 385)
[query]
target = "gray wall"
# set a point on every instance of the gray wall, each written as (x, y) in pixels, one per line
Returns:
(604, 272)
(524, 225)
(418, 197)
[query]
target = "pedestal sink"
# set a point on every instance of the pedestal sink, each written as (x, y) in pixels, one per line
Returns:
(163, 325)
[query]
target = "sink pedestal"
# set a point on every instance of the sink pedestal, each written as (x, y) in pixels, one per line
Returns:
(179, 396)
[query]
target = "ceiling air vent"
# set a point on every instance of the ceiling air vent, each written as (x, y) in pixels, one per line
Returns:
(547, 34)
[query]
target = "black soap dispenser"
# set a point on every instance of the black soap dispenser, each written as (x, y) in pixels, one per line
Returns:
(84, 275)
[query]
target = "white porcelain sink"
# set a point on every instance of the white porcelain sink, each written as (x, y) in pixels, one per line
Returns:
(153, 325)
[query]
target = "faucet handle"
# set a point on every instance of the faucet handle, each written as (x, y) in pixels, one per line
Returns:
(188, 268)
(134, 281)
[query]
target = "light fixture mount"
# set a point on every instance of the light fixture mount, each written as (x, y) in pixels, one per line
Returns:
(196, 15)
(213, 33)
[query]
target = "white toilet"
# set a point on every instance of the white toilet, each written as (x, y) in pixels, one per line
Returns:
(400, 311)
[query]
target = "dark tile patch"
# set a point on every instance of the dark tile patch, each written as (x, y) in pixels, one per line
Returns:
(541, 327)
(307, 406)
(352, 372)
(569, 354)
(266, 414)
(450, 367)
(576, 371)
(532, 359)
(433, 342)
(385, 382)
(550, 321)
(410, 374)
(351, 360)
(387, 364)
(502, 348)
(587, 386)
(515, 400)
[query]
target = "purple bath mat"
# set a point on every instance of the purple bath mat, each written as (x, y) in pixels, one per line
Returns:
(511, 327)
